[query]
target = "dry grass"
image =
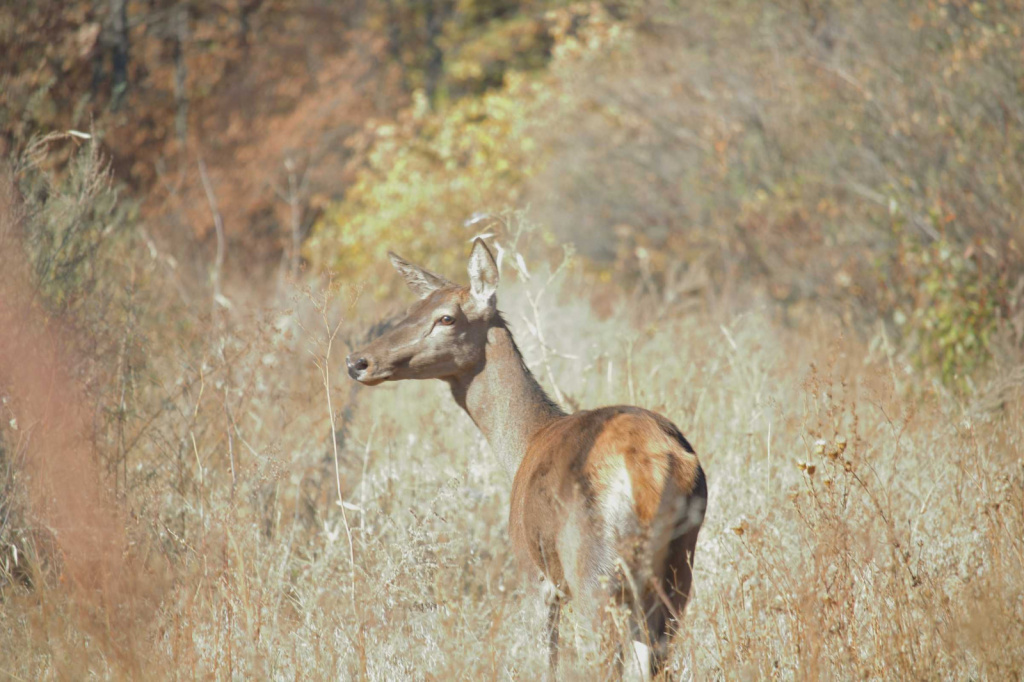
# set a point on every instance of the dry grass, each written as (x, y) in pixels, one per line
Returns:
(190, 487)
(855, 529)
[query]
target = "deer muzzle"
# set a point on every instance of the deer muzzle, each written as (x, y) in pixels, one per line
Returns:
(364, 369)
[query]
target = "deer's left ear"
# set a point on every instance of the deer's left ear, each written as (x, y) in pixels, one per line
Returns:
(423, 282)
(483, 275)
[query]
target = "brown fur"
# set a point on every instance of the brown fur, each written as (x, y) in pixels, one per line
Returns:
(573, 464)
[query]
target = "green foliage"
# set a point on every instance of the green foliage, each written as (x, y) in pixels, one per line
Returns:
(520, 44)
(427, 177)
(426, 174)
(949, 305)
(454, 48)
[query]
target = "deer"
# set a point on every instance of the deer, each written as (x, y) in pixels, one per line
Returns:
(606, 504)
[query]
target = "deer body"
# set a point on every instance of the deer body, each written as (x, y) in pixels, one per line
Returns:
(606, 504)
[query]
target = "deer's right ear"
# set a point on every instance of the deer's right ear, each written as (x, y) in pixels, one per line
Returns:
(483, 275)
(422, 282)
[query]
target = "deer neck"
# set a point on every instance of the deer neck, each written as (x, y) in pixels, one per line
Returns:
(504, 399)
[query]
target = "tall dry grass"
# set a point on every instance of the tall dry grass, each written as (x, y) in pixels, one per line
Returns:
(862, 523)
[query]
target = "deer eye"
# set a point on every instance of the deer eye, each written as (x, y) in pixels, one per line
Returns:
(446, 320)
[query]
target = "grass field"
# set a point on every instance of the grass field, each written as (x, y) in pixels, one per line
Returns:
(797, 229)
(861, 524)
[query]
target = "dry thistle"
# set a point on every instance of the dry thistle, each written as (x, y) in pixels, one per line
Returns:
(840, 444)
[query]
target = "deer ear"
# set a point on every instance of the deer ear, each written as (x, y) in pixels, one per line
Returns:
(483, 275)
(422, 282)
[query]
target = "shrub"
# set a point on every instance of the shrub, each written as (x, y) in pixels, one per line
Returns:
(425, 175)
(948, 302)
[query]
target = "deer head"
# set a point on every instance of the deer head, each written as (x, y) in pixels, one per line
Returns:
(443, 334)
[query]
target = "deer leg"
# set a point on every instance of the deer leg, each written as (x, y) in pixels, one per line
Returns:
(675, 593)
(554, 614)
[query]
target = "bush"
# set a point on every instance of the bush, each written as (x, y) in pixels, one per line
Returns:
(75, 225)
(949, 301)
(425, 175)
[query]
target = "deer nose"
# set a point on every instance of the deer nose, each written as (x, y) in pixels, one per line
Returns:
(356, 365)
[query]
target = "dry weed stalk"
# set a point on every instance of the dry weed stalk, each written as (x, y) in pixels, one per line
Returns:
(321, 354)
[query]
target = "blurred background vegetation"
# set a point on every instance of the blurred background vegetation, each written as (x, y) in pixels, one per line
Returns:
(237, 171)
(861, 157)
